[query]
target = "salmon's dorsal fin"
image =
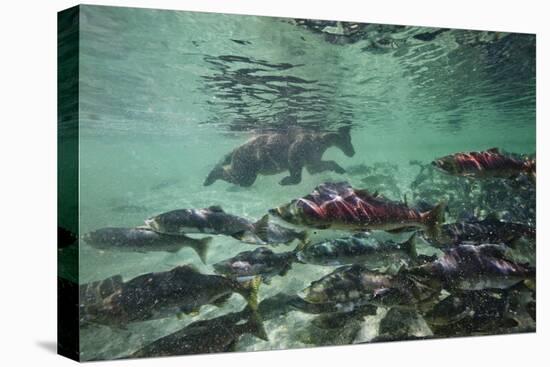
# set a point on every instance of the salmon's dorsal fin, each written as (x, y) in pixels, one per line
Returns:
(366, 193)
(188, 268)
(498, 251)
(285, 269)
(248, 237)
(216, 208)
(492, 217)
(221, 301)
(494, 150)
(261, 227)
(116, 279)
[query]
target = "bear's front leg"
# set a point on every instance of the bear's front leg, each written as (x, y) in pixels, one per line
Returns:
(296, 160)
(247, 179)
(336, 167)
(294, 178)
(322, 166)
(290, 180)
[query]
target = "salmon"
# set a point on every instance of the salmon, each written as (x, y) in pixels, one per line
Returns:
(340, 206)
(490, 163)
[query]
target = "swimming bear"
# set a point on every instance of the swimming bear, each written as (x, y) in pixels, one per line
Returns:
(273, 153)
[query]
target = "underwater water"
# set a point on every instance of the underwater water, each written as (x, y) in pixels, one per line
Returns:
(164, 96)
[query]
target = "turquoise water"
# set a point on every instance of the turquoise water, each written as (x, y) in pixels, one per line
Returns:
(165, 95)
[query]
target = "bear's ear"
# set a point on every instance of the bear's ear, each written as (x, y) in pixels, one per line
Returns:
(344, 130)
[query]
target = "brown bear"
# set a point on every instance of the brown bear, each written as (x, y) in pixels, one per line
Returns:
(273, 153)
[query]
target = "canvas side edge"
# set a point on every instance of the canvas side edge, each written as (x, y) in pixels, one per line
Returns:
(68, 335)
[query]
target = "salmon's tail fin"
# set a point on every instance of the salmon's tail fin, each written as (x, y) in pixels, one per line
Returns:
(433, 220)
(410, 246)
(256, 327)
(303, 236)
(261, 229)
(201, 247)
(531, 170)
(298, 256)
(249, 289)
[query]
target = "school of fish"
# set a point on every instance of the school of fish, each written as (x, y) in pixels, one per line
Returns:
(474, 274)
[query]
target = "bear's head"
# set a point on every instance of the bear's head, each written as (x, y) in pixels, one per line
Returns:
(342, 140)
(216, 174)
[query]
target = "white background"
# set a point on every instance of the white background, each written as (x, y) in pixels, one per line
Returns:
(28, 182)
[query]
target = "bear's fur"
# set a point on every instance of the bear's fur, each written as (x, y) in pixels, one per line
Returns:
(273, 153)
